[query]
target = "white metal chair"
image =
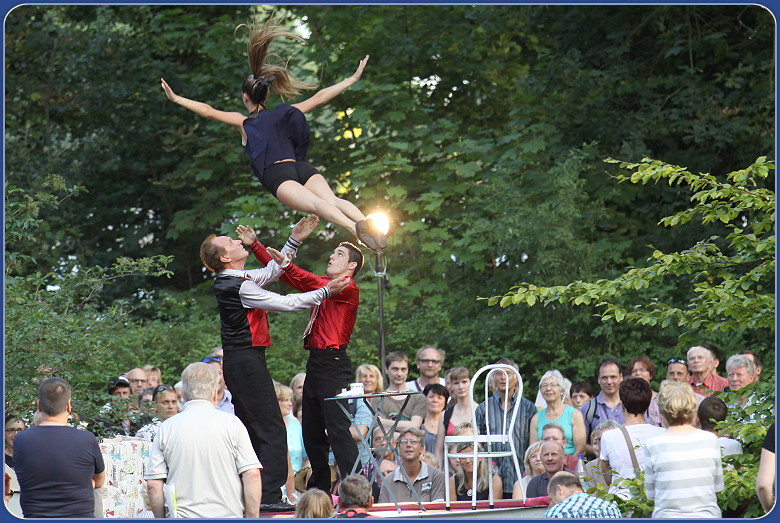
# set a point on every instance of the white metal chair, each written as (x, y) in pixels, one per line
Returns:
(488, 440)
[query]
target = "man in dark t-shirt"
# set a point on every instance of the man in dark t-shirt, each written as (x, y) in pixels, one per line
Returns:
(57, 466)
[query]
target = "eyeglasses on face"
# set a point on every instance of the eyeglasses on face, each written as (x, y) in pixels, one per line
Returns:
(548, 385)
(676, 360)
(138, 380)
(429, 362)
(411, 442)
(13, 431)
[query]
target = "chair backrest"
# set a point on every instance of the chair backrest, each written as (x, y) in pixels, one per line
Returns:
(490, 370)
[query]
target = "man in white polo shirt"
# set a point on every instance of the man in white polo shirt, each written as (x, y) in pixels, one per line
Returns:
(206, 455)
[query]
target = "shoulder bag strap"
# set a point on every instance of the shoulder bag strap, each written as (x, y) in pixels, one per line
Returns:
(634, 461)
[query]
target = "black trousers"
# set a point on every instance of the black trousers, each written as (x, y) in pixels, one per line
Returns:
(247, 377)
(327, 372)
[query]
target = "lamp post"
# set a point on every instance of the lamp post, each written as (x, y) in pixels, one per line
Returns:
(382, 223)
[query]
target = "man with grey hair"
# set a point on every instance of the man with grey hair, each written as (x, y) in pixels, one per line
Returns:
(702, 363)
(355, 497)
(740, 371)
(205, 454)
(427, 481)
(429, 361)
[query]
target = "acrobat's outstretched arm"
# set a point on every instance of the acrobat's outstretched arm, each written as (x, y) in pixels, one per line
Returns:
(204, 110)
(329, 93)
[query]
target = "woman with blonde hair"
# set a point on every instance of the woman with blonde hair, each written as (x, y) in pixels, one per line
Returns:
(277, 140)
(298, 462)
(461, 484)
(371, 378)
(314, 503)
(683, 467)
(457, 413)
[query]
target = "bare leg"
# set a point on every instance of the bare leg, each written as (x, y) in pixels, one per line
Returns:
(298, 197)
(319, 186)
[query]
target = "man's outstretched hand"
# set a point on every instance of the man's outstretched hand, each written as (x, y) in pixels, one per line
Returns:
(338, 285)
(305, 227)
(246, 234)
(277, 256)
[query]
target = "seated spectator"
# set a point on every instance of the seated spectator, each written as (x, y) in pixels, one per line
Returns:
(430, 460)
(371, 378)
(711, 411)
(355, 497)
(153, 376)
(436, 397)
(384, 456)
(397, 367)
(756, 362)
(314, 503)
(13, 426)
(703, 364)
(581, 392)
(296, 384)
(568, 501)
(567, 417)
(765, 479)
(298, 458)
(225, 398)
(167, 406)
(740, 372)
(615, 454)
(533, 467)
(554, 432)
(429, 361)
(463, 429)
(552, 459)
(678, 454)
(461, 486)
(593, 471)
(457, 412)
(427, 481)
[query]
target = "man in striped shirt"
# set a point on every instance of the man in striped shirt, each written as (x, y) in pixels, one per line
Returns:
(568, 501)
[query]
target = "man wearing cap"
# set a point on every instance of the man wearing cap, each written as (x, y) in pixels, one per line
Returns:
(116, 416)
(243, 303)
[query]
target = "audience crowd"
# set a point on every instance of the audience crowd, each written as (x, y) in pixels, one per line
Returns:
(573, 438)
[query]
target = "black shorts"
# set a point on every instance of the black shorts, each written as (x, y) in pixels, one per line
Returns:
(276, 174)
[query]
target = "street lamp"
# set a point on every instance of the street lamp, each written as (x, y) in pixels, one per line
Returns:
(381, 222)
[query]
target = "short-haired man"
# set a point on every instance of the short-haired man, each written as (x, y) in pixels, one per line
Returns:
(429, 361)
(635, 395)
(397, 368)
(606, 404)
(138, 380)
(117, 417)
(355, 497)
(243, 303)
(224, 397)
(711, 411)
(206, 454)
(568, 501)
(495, 407)
(427, 481)
(329, 368)
(552, 458)
(57, 466)
(555, 432)
(677, 370)
(740, 372)
(703, 363)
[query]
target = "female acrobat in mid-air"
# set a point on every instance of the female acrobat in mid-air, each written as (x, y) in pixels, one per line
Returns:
(276, 140)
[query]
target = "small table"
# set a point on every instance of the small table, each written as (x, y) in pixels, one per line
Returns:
(368, 438)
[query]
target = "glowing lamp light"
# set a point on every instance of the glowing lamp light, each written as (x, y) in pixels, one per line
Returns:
(381, 221)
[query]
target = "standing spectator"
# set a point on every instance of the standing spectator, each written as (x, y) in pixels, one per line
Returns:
(520, 432)
(243, 303)
(153, 376)
(740, 372)
(436, 397)
(533, 467)
(295, 447)
(703, 366)
(567, 417)
(606, 405)
(461, 487)
(552, 459)
(167, 402)
(314, 503)
(385, 458)
(593, 467)
(296, 384)
(118, 417)
(429, 361)
(615, 455)
(397, 368)
(581, 392)
(765, 479)
(138, 380)
(13, 426)
(683, 470)
(225, 481)
(711, 411)
(427, 481)
(355, 497)
(568, 501)
(57, 466)
(458, 411)
(756, 362)
(677, 370)
(224, 397)
(643, 367)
